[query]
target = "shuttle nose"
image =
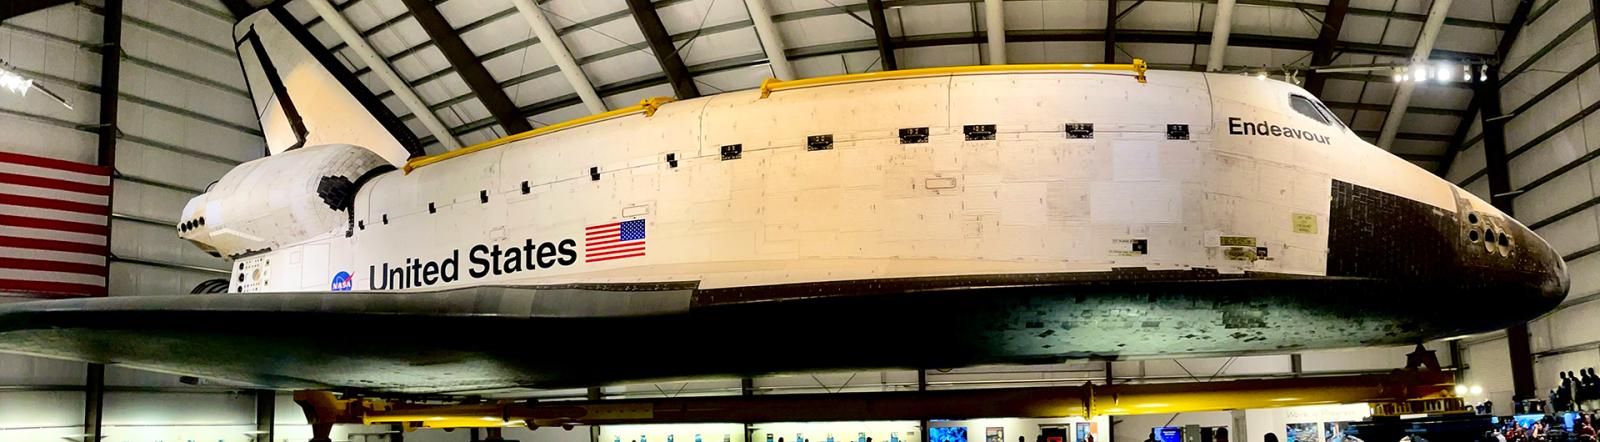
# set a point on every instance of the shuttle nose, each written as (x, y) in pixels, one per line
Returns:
(1524, 252)
(1512, 263)
(1549, 264)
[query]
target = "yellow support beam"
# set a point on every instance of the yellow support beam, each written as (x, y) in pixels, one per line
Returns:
(647, 107)
(1138, 68)
(1401, 391)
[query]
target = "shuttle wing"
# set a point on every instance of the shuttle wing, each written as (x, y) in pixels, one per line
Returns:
(456, 340)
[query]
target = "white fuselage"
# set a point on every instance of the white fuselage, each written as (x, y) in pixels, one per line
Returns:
(1247, 191)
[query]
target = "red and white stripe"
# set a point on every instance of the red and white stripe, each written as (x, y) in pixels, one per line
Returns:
(604, 243)
(54, 222)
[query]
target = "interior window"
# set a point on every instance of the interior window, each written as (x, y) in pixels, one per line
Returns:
(1305, 107)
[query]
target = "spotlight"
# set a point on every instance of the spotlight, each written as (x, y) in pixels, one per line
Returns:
(1399, 76)
(1483, 73)
(1476, 389)
(1466, 73)
(1461, 390)
(1443, 72)
(14, 82)
(1261, 76)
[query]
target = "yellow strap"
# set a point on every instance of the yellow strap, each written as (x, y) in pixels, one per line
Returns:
(647, 106)
(1138, 67)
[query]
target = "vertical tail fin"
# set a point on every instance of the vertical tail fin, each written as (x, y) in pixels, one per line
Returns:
(305, 97)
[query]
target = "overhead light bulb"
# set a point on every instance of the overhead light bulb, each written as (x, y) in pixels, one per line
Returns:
(1444, 72)
(1399, 76)
(1466, 73)
(1483, 73)
(14, 83)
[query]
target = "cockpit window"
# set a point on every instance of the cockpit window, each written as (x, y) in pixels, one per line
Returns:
(1308, 108)
(1329, 112)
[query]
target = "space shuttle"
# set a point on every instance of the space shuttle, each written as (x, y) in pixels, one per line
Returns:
(925, 218)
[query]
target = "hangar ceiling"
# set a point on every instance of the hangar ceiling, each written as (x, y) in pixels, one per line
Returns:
(717, 42)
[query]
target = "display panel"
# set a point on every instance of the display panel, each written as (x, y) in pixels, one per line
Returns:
(1306, 432)
(947, 434)
(1168, 434)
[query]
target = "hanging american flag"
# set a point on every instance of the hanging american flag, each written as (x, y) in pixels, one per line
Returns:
(53, 226)
(616, 240)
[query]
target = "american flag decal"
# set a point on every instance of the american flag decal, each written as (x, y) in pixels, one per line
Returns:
(54, 221)
(618, 240)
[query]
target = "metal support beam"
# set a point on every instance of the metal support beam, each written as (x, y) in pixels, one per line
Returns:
(644, 12)
(595, 394)
(1327, 38)
(1519, 17)
(1111, 31)
(995, 25)
(266, 414)
(1393, 391)
(13, 8)
(880, 32)
(467, 66)
(1111, 427)
(110, 85)
(351, 37)
(239, 8)
(922, 425)
(1219, 35)
(1494, 153)
(771, 40)
(558, 51)
(1402, 94)
(94, 400)
(1494, 142)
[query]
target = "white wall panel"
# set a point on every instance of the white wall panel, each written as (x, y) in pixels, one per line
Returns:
(1567, 327)
(620, 32)
(27, 370)
(1490, 368)
(132, 279)
(1053, 52)
(1574, 232)
(1468, 161)
(172, 15)
(30, 416)
(539, 89)
(497, 34)
(852, 63)
(157, 243)
(168, 167)
(956, 55)
(145, 201)
(1567, 145)
(827, 29)
(1585, 274)
(1167, 16)
(1556, 195)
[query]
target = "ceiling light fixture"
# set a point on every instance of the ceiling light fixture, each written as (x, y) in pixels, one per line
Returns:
(13, 81)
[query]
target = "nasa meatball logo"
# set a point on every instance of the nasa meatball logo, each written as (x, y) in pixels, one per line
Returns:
(342, 282)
